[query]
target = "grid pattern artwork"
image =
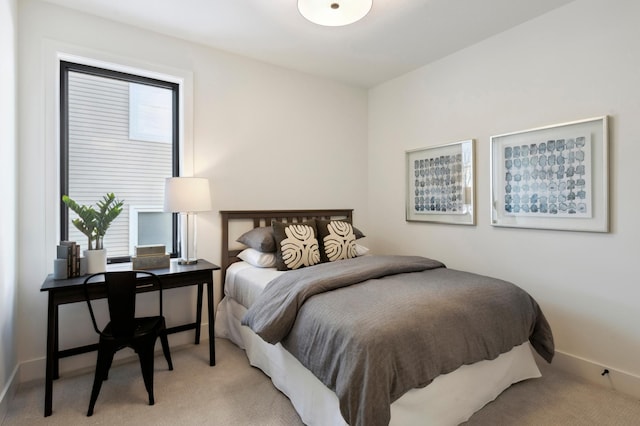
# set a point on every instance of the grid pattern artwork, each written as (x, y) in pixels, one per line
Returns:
(438, 184)
(550, 178)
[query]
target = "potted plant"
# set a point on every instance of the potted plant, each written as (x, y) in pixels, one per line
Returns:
(94, 223)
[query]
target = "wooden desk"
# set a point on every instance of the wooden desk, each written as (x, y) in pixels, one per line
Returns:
(71, 291)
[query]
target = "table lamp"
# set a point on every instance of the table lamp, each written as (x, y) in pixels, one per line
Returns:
(187, 196)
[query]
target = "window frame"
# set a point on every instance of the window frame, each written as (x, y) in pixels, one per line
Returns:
(65, 68)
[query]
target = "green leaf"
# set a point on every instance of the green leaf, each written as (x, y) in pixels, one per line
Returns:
(95, 223)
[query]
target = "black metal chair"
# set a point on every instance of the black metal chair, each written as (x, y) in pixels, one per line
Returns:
(124, 329)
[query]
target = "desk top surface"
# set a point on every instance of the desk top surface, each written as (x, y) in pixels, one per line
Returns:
(174, 269)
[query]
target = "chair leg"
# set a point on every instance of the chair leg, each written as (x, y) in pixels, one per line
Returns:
(165, 349)
(108, 363)
(146, 365)
(102, 370)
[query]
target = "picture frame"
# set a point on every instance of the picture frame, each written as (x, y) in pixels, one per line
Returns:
(554, 177)
(440, 183)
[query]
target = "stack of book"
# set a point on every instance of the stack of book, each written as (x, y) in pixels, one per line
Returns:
(70, 251)
(150, 257)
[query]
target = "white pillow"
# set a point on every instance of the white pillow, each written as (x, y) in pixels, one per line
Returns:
(258, 258)
(361, 250)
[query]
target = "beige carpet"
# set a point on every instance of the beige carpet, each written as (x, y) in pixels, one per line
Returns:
(233, 393)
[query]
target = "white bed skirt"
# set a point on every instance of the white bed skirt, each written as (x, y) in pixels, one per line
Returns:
(449, 400)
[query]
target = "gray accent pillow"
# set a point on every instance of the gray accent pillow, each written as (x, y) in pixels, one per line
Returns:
(296, 245)
(260, 239)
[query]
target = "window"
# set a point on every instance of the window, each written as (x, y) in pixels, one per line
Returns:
(118, 133)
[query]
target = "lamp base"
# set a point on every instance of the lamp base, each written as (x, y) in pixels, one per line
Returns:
(187, 262)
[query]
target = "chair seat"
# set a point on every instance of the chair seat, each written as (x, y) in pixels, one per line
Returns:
(144, 325)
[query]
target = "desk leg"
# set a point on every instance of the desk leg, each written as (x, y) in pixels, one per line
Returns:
(199, 313)
(212, 342)
(56, 342)
(52, 326)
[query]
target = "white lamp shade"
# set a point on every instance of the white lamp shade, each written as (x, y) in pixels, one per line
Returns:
(187, 195)
(334, 13)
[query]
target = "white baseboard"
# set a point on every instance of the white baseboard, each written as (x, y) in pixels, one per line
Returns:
(618, 380)
(35, 369)
(8, 393)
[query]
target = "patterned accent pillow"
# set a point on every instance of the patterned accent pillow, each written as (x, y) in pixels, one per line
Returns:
(337, 240)
(296, 245)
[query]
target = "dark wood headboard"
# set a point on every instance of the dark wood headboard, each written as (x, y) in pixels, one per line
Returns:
(257, 218)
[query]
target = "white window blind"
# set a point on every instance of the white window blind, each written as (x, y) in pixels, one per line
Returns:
(103, 158)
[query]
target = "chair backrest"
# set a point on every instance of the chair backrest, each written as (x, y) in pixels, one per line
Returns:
(121, 289)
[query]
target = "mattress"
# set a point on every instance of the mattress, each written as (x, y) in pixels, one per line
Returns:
(446, 401)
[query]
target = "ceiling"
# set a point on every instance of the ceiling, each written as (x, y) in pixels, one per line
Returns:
(397, 36)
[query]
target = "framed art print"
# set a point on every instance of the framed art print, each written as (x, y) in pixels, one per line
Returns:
(553, 177)
(440, 183)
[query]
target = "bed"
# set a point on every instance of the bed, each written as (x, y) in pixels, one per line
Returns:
(306, 328)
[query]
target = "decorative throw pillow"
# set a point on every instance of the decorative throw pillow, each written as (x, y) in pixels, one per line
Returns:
(257, 258)
(358, 233)
(296, 245)
(260, 239)
(337, 240)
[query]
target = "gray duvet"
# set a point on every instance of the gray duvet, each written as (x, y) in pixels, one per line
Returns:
(374, 327)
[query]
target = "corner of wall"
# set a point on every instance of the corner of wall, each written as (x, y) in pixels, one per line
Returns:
(9, 193)
(8, 393)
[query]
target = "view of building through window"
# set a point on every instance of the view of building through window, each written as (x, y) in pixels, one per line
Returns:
(120, 139)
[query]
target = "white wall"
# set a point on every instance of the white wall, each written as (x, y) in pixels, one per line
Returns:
(260, 135)
(577, 62)
(9, 196)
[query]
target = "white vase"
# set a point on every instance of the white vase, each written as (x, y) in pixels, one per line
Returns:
(96, 260)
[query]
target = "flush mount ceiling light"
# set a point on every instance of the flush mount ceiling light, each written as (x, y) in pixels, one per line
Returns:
(334, 13)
